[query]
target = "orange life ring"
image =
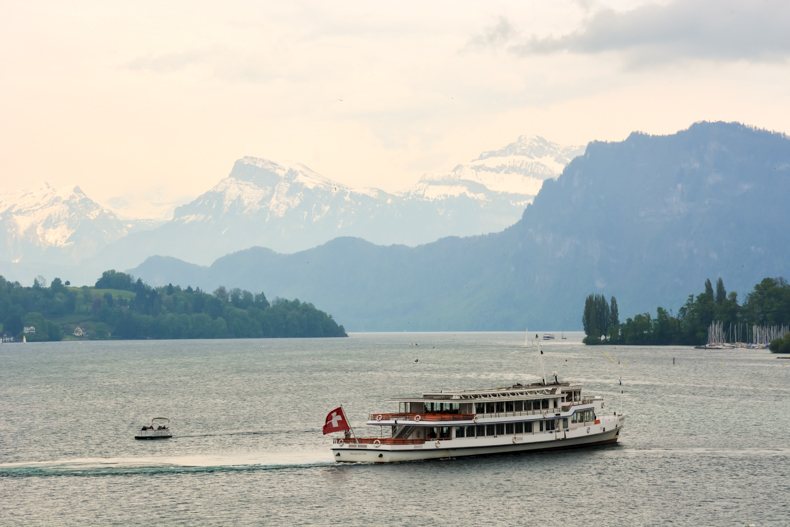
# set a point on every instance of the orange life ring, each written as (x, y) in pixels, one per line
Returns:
(340, 441)
(418, 418)
(377, 443)
(379, 417)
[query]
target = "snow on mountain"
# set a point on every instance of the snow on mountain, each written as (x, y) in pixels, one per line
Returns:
(34, 222)
(517, 170)
(272, 186)
(271, 192)
(275, 193)
(289, 207)
(147, 207)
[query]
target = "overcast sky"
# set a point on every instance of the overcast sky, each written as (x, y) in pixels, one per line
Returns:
(152, 101)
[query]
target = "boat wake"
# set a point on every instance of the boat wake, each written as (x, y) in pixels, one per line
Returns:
(246, 433)
(702, 451)
(188, 464)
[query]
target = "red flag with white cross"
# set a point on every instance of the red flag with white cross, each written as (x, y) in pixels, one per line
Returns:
(336, 421)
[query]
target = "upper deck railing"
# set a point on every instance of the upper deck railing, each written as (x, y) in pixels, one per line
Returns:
(376, 441)
(425, 416)
(586, 400)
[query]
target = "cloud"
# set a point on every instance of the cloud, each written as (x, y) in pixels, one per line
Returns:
(697, 29)
(585, 5)
(227, 65)
(495, 36)
(167, 62)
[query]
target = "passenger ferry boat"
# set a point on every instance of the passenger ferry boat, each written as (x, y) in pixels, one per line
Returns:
(456, 423)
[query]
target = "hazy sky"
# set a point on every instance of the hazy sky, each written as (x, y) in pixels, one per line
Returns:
(153, 101)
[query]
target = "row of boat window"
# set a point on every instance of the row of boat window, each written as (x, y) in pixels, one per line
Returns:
(504, 429)
(511, 406)
(452, 408)
(490, 407)
(511, 428)
(583, 416)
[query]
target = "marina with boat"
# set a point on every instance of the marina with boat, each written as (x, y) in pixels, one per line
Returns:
(742, 335)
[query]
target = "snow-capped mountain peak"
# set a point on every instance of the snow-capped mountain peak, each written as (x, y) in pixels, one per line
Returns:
(278, 193)
(535, 157)
(518, 169)
(41, 215)
(534, 147)
(264, 172)
(49, 217)
(260, 186)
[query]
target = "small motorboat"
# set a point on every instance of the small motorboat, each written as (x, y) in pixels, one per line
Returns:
(158, 429)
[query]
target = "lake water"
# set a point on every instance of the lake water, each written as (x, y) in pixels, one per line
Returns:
(706, 441)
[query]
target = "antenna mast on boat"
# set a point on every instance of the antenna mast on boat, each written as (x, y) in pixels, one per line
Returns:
(528, 344)
(542, 366)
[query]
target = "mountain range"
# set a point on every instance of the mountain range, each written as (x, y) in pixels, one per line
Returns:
(646, 220)
(284, 207)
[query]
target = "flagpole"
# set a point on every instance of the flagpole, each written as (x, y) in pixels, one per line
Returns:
(542, 366)
(353, 434)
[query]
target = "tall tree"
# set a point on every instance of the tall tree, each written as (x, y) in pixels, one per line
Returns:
(721, 293)
(588, 317)
(604, 317)
(708, 289)
(614, 321)
(596, 318)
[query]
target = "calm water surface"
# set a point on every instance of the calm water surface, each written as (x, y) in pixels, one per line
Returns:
(706, 442)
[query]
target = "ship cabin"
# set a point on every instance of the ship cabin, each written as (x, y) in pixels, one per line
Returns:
(515, 410)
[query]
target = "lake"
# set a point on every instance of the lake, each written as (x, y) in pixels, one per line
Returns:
(706, 439)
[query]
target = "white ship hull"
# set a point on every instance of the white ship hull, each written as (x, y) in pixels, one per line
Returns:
(606, 432)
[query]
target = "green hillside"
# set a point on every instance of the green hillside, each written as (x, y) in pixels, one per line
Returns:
(118, 307)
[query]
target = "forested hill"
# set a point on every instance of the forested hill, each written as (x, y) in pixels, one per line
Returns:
(120, 307)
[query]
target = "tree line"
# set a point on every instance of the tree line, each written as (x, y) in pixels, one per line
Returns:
(768, 304)
(118, 306)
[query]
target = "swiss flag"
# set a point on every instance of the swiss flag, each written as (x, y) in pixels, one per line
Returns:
(336, 421)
